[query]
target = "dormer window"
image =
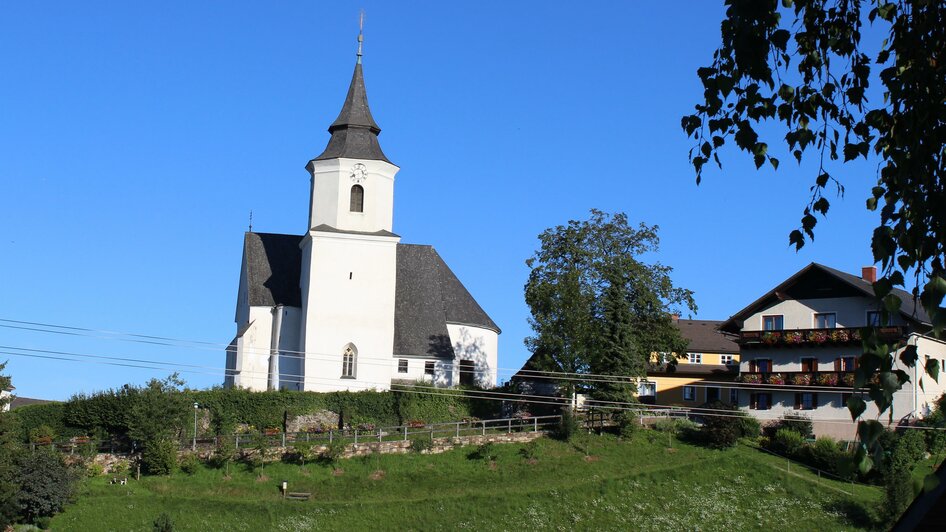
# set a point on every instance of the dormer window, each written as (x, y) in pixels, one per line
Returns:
(357, 203)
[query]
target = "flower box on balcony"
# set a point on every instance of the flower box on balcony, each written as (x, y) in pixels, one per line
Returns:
(828, 379)
(751, 378)
(848, 379)
(775, 378)
(840, 335)
(770, 338)
(800, 379)
(818, 337)
(793, 337)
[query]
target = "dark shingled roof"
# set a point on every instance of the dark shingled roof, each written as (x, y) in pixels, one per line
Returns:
(705, 337)
(427, 295)
(325, 228)
(354, 132)
(273, 264)
(819, 275)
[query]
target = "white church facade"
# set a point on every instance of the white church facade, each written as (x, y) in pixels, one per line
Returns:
(347, 306)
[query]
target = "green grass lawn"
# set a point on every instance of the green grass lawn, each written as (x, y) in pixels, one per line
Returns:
(597, 482)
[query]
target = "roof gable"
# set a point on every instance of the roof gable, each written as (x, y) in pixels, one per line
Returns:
(817, 281)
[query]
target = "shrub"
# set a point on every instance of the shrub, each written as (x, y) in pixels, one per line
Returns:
(787, 442)
(120, 467)
(486, 451)
(163, 523)
(898, 494)
(190, 463)
(627, 423)
(825, 454)
(94, 469)
(332, 452)
(44, 484)
(159, 457)
(421, 444)
(42, 434)
(567, 426)
(913, 445)
(530, 451)
(795, 422)
(723, 428)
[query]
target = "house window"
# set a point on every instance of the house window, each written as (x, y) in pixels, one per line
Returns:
(428, 368)
(727, 359)
(827, 320)
(402, 365)
(689, 393)
(760, 365)
(809, 364)
(845, 364)
(772, 323)
(734, 396)
(357, 199)
(760, 401)
(647, 392)
(695, 358)
(806, 401)
(349, 360)
(712, 394)
(467, 373)
(875, 318)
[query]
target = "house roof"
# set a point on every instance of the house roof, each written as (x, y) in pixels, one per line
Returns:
(273, 267)
(428, 295)
(18, 402)
(721, 370)
(818, 281)
(705, 337)
(354, 132)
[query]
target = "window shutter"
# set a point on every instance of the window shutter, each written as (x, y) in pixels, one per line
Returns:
(798, 404)
(752, 366)
(837, 364)
(814, 364)
(814, 400)
(753, 401)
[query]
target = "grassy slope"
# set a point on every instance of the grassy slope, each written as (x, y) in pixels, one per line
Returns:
(639, 485)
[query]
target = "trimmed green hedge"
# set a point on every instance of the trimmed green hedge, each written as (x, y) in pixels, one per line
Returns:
(107, 412)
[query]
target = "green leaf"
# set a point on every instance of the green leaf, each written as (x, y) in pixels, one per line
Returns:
(932, 368)
(868, 431)
(822, 179)
(774, 162)
(909, 356)
(892, 303)
(795, 238)
(856, 405)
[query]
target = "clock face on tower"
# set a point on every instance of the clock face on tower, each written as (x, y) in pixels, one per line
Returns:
(359, 173)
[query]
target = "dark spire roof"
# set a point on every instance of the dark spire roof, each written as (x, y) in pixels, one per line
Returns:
(354, 132)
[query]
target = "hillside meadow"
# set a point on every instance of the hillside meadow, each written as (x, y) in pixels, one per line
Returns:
(592, 482)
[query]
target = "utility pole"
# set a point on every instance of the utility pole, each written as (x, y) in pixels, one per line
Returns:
(194, 448)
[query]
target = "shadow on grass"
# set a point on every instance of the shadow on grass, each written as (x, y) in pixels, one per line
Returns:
(856, 513)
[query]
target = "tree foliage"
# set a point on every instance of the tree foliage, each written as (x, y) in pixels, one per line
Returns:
(597, 306)
(8, 452)
(45, 484)
(803, 66)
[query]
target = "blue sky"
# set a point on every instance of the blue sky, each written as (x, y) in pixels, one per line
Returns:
(135, 138)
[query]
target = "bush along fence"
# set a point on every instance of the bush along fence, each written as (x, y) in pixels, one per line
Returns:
(454, 432)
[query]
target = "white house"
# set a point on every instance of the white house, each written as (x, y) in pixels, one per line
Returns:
(346, 305)
(800, 344)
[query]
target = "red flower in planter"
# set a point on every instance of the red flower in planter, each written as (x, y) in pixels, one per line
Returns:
(801, 379)
(828, 379)
(818, 337)
(775, 378)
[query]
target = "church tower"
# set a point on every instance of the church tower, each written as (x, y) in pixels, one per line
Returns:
(349, 255)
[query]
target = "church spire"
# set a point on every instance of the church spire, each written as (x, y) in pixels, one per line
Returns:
(354, 132)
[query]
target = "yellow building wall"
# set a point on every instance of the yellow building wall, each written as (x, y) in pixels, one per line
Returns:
(670, 388)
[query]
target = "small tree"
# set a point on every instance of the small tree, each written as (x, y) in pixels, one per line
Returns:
(723, 427)
(160, 457)
(262, 449)
(567, 425)
(163, 523)
(45, 484)
(226, 453)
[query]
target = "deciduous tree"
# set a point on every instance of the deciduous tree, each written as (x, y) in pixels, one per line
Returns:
(803, 66)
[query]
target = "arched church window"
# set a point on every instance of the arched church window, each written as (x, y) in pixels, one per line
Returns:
(349, 361)
(357, 199)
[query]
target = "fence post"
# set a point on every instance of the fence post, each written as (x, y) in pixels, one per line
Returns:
(330, 437)
(379, 435)
(405, 432)
(458, 429)
(509, 426)
(484, 427)
(535, 426)
(356, 436)
(237, 438)
(283, 439)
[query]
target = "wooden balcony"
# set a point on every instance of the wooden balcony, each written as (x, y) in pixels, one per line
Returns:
(800, 378)
(814, 337)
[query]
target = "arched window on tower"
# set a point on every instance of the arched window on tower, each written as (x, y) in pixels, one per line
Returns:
(357, 199)
(349, 361)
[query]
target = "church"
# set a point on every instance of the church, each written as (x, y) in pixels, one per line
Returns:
(346, 305)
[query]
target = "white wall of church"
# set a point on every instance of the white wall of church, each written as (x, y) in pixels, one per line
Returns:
(348, 289)
(478, 344)
(331, 198)
(253, 350)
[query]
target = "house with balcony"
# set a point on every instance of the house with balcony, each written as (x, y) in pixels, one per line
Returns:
(705, 373)
(800, 344)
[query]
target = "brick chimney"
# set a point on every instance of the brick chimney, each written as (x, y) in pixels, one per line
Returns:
(869, 274)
